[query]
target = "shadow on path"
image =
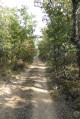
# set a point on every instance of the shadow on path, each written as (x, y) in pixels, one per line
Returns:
(15, 97)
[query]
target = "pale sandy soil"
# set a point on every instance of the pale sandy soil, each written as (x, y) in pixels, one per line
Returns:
(43, 107)
(26, 96)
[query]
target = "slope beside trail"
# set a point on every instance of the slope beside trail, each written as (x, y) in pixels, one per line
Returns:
(26, 96)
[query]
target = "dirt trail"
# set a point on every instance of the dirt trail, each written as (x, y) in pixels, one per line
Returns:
(26, 96)
(43, 105)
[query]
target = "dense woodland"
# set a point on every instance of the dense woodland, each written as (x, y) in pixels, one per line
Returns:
(61, 38)
(16, 37)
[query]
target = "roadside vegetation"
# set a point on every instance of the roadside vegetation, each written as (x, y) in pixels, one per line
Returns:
(60, 47)
(16, 39)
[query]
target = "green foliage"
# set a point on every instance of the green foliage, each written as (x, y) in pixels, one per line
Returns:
(60, 54)
(56, 47)
(16, 36)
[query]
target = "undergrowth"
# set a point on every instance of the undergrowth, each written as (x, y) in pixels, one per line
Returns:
(69, 88)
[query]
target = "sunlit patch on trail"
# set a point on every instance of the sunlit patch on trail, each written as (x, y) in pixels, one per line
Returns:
(47, 100)
(38, 85)
(39, 90)
(38, 66)
(12, 102)
(5, 90)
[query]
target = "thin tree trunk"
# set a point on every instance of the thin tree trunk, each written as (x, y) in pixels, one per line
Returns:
(79, 60)
(55, 59)
(75, 27)
(75, 39)
(64, 62)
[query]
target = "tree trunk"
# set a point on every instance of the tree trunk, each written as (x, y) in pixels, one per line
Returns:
(75, 39)
(55, 59)
(64, 62)
(75, 27)
(79, 60)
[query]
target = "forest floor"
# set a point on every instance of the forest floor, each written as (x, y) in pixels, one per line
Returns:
(26, 96)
